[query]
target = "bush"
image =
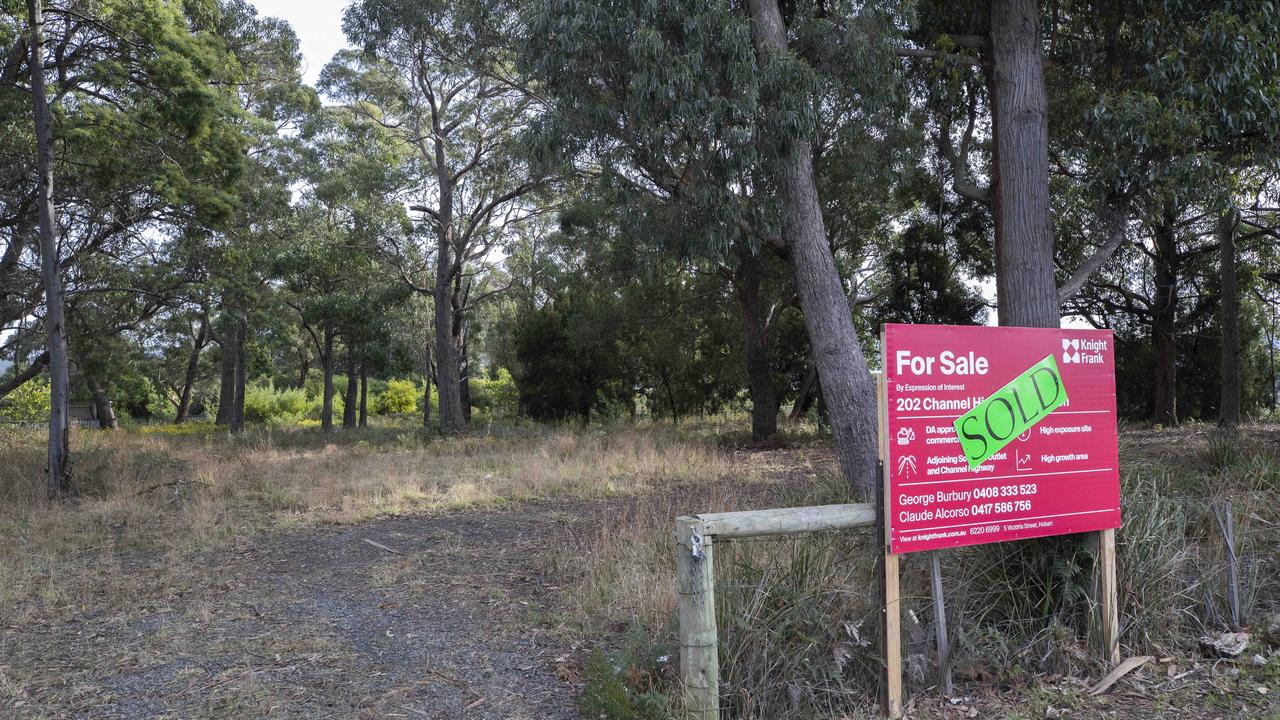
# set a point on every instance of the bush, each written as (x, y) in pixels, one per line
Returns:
(259, 403)
(401, 396)
(288, 406)
(28, 403)
(498, 396)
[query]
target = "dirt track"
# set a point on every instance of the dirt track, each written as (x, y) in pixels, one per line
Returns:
(320, 623)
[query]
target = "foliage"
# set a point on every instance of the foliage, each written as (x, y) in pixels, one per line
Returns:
(496, 396)
(28, 404)
(269, 405)
(400, 396)
(611, 692)
(562, 373)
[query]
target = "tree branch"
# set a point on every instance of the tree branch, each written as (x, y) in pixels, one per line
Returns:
(1116, 219)
(32, 370)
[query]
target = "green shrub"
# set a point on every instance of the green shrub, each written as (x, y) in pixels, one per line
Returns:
(498, 396)
(287, 406)
(401, 396)
(28, 403)
(291, 402)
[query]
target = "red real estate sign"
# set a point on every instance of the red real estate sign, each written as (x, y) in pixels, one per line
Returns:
(1060, 476)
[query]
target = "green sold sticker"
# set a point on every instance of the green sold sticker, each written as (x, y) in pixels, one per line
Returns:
(1011, 411)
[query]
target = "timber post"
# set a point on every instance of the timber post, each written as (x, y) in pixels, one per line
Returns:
(890, 593)
(695, 583)
(1108, 601)
(699, 644)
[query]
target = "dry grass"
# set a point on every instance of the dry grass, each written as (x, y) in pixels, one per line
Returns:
(154, 499)
(795, 616)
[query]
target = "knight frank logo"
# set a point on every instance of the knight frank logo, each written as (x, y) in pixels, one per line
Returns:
(1078, 351)
(1071, 350)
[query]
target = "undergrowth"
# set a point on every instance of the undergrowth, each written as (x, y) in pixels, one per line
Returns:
(797, 617)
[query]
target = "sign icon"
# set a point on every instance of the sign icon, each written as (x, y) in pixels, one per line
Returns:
(906, 435)
(1070, 350)
(1023, 461)
(907, 465)
(1025, 436)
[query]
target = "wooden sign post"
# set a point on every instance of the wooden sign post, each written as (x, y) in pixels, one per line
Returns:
(890, 599)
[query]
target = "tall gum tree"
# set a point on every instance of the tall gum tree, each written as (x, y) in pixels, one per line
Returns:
(686, 103)
(54, 318)
(847, 387)
(434, 76)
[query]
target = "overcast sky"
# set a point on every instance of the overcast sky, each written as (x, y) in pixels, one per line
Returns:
(319, 27)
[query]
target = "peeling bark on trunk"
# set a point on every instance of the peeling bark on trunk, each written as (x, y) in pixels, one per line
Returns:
(350, 399)
(193, 365)
(1229, 411)
(54, 320)
(1164, 322)
(847, 387)
(1025, 286)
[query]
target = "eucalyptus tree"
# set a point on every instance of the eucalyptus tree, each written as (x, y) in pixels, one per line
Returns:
(1178, 119)
(133, 122)
(54, 317)
(437, 77)
(711, 108)
(993, 50)
(349, 209)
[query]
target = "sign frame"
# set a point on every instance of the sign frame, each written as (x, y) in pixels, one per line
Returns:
(1105, 598)
(943, 520)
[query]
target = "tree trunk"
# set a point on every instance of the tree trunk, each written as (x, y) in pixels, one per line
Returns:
(241, 373)
(326, 362)
(1027, 294)
(448, 381)
(364, 396)
(304, 365)
(671, 399)
(193, 366)
(847, 387)
(428, 375)
(464, 376)
(227, 386)
(1229, 411)
(350, 399)
(1163, 322)
(764, 396)
(452, 420)
(101, 403)
(808, 391)
(54, 320)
